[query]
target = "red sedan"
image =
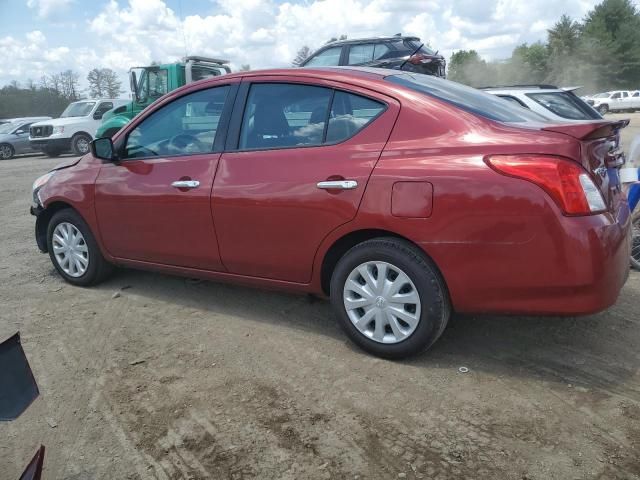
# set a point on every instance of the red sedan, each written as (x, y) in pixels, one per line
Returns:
(400, 196)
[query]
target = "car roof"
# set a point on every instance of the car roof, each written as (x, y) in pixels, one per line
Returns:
(25, 119)
(370, 39)
(312, 72)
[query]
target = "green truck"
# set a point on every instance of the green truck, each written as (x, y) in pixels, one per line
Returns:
(150, 83)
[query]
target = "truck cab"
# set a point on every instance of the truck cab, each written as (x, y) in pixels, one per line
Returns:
(152, 82)
(74, 130)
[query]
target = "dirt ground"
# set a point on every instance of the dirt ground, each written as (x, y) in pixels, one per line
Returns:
(173, 378)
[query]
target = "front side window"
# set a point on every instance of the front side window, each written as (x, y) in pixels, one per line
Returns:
(102, 109)
(280, 115)
(327, 58)
(361, 53)
(565, 105)
(185, 126)
(616, 95)
(78, 109)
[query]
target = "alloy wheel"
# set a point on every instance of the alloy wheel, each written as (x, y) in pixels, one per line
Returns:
(82, 145)
(70, 249)
(382, 302)
(5, 152)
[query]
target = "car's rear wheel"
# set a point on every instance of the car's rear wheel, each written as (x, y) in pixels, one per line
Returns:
(603, 109)
(6, 151)
(389, 298)
(81, 144)
(73, 250)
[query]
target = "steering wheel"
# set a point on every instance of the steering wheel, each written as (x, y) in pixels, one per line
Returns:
(184, 141)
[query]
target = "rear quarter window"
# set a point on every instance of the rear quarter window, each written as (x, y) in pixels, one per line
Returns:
(466, 98)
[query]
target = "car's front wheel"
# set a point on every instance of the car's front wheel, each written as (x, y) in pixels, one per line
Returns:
(81, 144)
(603, 109)
(389, 298)
(73, 250)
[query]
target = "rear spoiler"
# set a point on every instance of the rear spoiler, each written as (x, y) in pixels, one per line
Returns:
(589, 131)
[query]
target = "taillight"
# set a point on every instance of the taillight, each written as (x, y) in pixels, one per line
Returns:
(565, 181)
(420, 58)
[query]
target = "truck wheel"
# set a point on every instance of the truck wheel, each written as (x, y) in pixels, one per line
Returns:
(6, 151)
(604, 108)
(81, 144)
(51, 152)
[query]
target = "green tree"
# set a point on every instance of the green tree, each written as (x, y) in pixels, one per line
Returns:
(466, 66)
(301, 56)
(103, 82)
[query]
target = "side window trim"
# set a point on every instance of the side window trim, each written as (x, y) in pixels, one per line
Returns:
(233, 136)
(218, 140)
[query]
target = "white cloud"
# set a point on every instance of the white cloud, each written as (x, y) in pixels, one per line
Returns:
(49, 8)
(267, 33)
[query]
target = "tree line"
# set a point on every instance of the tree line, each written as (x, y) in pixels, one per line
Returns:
(600, 52)
(52, 93)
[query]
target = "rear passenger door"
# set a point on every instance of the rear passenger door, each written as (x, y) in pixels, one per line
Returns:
(271, 204)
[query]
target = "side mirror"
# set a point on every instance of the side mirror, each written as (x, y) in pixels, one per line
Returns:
(98, 115)
(20, 132)
(103, 148)
(133, 83)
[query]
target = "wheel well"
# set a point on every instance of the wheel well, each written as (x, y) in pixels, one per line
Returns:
(80, 133)
(43, 222)
(8, 145)
(342, 246)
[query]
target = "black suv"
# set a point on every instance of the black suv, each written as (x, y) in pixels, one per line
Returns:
(398, 52)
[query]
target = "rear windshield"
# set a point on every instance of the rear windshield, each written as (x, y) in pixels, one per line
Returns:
(411, 45)
(565, 105)
(467, 98)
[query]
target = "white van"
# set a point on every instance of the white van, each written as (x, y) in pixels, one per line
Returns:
(74, 130)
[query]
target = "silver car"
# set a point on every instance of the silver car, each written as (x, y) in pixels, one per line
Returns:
(14, 136)
(557, 104)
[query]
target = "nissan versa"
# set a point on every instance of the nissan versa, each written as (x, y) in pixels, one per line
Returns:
(401, 196)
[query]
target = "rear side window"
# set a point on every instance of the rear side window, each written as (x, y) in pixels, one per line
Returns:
(513, 100)
(466, 98)
(361, 53)
(281, 115)
(565, 105)
(326, 58)
(349, 114)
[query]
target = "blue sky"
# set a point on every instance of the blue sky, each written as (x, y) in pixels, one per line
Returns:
(39, 37)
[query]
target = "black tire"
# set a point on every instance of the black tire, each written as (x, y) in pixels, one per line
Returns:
(6, 151)
(81, 144)
(436, 307)
(603, 109)
(635, 241)
(98, 268)
(51, 152)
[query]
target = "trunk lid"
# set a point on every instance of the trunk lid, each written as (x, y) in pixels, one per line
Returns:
(600, 154)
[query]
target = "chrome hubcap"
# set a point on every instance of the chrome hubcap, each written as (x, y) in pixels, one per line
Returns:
(70, 249)
(382, 302)
(83, 145)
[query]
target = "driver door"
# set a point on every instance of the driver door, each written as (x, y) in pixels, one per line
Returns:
(154, 205)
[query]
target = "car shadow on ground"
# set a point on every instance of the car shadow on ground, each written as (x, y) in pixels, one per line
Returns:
(595, 351)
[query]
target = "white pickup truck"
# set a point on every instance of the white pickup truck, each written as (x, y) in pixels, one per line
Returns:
(615, 101)
(74, 130)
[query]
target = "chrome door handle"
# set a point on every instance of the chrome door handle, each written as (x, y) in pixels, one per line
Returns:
(338, 185)
(186, 184)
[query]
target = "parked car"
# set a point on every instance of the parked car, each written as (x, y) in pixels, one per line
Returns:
(615, 101)
(401, 196)
(397, 52)
(14, 136)
(75, 128)
(558, 104)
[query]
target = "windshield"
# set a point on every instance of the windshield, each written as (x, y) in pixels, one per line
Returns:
(467, 98)
(152, 83)
(601, 95)
(565, 105)
(78, 109)
(7, 127)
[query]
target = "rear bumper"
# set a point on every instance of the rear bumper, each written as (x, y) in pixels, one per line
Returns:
(60, 144)
(574, 266)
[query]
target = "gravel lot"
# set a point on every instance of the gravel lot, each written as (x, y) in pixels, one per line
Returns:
(173, 378)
